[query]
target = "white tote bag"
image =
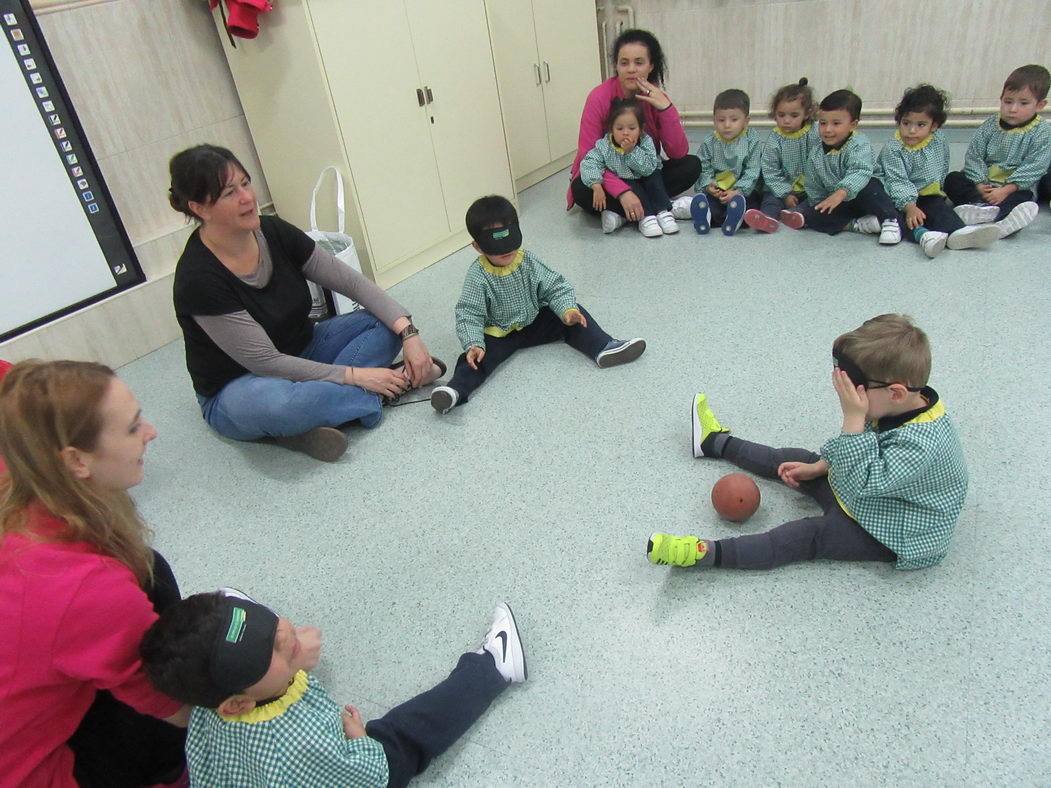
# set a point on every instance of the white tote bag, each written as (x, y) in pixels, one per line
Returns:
(338, 243)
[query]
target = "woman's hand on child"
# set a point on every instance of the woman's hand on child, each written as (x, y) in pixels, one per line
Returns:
(653, 94)
(914, 216)
(418, 361)
(632, 206)
(378, 380)
(475, 356)
(353, 727)
(310, 643)
(792, 473)
(853, 400)
(574, 316)
(598, 197)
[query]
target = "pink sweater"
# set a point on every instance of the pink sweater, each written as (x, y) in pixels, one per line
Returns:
(664, 126)
(72, 622)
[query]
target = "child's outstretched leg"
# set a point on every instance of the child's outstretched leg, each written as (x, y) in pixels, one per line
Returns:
(418, 730)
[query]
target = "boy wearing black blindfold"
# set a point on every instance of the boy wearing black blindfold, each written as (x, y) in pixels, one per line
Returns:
(890, 485)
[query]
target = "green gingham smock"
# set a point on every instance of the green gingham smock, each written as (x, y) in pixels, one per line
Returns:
(497, 300)
(296, 740)
(848, 167)
(640, 161)
(908, 171)
(1020, 156)
(904, 480)
(783, 158)
(733, 164)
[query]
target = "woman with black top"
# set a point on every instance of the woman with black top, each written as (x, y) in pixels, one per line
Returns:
(259, 366)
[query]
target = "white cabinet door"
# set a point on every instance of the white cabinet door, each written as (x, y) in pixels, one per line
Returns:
(567, 41)
(368, 55)
(451, 41)
(518, 68)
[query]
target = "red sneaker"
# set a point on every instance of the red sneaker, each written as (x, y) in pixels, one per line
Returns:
(793, 219)
(758, 220)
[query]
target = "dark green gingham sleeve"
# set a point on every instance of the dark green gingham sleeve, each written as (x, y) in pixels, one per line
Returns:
(858, 167)
(472, 312)
(752, 165)
(772, 167)
(706, 153)
(893, 171)
(975, 166)
(552, 288)
(593, 166)
(1037, 158)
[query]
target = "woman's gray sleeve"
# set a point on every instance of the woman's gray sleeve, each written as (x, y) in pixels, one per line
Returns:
(322, 267)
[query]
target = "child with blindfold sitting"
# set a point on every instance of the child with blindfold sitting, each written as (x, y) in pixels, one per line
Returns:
(261, 720)
(510, 301)
(890, 485)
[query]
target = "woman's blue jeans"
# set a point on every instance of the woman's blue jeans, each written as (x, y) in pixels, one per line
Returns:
(252, 407)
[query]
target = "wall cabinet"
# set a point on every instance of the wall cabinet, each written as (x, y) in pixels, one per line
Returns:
(400, 96)
(547, 60)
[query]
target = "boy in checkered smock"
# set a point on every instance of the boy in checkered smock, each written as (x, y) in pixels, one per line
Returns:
(891, 485)
(1008, 156)
(261, 720)
(731, 159)
(842, 193)
(913, 167)
(510, 301)
(628, 152)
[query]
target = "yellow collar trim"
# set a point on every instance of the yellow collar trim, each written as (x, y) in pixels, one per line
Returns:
(1021, 129)
(918, 146)
(502, 270)
(933, 413)
(275, 708)
(795, 134)
(732, 139)
(615, 146)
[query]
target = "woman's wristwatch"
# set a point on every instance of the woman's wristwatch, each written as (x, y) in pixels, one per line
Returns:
(409, 331)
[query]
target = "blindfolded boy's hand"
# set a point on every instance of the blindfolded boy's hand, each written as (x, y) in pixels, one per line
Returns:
(574, 317)
(853, 400)
(474, 356)
(353, 727)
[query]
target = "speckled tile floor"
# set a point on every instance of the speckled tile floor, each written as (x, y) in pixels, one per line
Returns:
(543, 489)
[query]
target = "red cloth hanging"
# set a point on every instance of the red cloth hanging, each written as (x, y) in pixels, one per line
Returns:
(242, 17)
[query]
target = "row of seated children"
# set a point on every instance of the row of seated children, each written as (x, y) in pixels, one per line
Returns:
(824, 176)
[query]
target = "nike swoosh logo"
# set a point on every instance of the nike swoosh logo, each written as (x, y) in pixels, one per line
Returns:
(503, 644)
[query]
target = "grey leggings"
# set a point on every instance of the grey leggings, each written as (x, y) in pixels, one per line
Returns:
(832, 535)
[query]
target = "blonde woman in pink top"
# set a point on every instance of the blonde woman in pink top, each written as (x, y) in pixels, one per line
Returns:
(639, 62)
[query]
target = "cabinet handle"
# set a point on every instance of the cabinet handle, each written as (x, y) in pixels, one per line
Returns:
(419, 97)
(547, 71)
(536, 68)
(430, 96)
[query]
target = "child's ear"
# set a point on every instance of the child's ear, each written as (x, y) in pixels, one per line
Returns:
(898, 392)
(477, 248)
(1041, 104)
(234, 705)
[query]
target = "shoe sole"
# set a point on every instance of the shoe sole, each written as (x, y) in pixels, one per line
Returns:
(979, 236)
(622, 355)
(974, 214)
(518, 638)
(760, 222)
(694, 443)
(935, 250)
(735, 211)
(1019, 218)
(671, 229)
(442, 401)
(792, 219)
(326, 444)
(702, 219)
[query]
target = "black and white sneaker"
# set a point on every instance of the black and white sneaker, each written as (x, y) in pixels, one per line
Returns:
(504, 643)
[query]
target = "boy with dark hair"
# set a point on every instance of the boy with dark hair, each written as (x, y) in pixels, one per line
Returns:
(510, 301)
(731, 159)
(1009, 154)
(891, 485)
(842, 192)
(261, 720)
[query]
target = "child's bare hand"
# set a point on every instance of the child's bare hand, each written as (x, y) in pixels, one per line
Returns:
(598, 197)
(726, 196)
(475, 356)
(791, 201)
(998, 195)
(853, 400)
(713, 190)
(914, 216)
(353, 727)
(792, 473)
(310, 643)
(574, 317)
(830, 203)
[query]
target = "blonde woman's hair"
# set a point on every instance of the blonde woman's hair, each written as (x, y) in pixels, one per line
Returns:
(44, 408)
(889, 348)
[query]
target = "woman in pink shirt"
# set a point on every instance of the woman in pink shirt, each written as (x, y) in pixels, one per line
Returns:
(78, 586)
(639, 61)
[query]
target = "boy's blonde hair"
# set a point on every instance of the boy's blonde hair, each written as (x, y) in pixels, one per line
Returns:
(889, 348)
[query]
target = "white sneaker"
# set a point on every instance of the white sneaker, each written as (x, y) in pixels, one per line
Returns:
(1021, 216)
(444, 399)
(505, 644)
(866, 224)
(680, 207)
(611, 221)
(932, 242)
(975, 235)
(890, 232)
(979, 213)
(667, 222)
(650, 227)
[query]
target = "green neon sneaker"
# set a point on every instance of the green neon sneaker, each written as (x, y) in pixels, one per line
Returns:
(704, 423)
(675, 550)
